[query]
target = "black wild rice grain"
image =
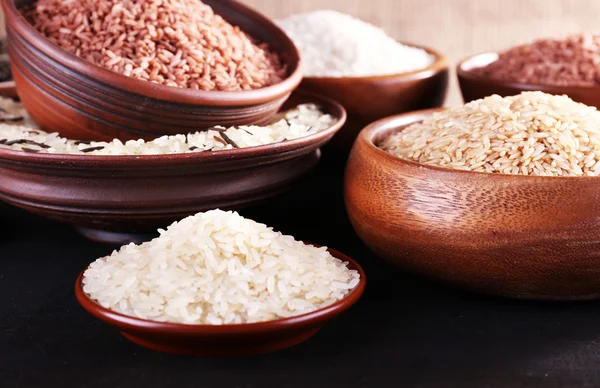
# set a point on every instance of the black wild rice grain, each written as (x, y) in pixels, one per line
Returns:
(90, 149)
(228, 140)
(26, 141)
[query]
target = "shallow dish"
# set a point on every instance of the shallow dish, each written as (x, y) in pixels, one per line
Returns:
(224, 340)
(511, 235)
(69, 95)
(107, 196)
(367, 99)
(475, 86)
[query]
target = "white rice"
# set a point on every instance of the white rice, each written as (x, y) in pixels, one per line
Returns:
(303, 120)
(218, 268)
(532, 133)
(334, 44)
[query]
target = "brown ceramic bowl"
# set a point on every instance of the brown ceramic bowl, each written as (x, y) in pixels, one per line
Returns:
(66, 94)
(106, 196)
(474, 86)
(510, 235)
(224, 340)
(367, 99)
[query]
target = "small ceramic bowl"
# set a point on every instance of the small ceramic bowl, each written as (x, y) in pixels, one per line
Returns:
(367, 99)
(110, 197)
(511, 235)
(79, 100)
(474, 86)
(224, 340)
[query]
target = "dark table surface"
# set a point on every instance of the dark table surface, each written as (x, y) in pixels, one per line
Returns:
(404, 332)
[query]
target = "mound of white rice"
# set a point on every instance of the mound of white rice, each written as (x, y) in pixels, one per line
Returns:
(532, 133)
(300, 121)
(334, 44)
(218, 268)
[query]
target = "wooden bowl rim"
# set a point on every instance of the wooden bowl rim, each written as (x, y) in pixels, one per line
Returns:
(331, 106)
(163, 92)
(168, 328)
(440, 63)
(396, 123)
(464, 70)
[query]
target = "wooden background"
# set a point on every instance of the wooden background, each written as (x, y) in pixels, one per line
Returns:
(457, 27)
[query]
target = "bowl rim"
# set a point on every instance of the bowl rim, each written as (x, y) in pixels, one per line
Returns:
(464, 71)
(331, 106)
(132, 323)
(16, 20)
(396, 123)
(440, 63)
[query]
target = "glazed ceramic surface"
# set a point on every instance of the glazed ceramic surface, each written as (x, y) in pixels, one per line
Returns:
(126, 194)
(511, 235)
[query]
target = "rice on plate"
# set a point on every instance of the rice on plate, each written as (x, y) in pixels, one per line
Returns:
(218, 268)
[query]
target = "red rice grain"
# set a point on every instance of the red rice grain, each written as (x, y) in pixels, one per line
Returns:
(571, 61)
(180, 43)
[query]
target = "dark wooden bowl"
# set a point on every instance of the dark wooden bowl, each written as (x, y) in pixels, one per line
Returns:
(69, 95)
(224, 340)
(474, 86)
(368, 99)
(510, 235)
(127, 194)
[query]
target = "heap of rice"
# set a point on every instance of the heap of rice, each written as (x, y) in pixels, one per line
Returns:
(218, 268)
(21, 133)
(532, 133)
(573, 60)
(180, 43)
(334, 44)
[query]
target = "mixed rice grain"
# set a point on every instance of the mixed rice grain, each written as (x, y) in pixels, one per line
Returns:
(532, 133)
(180, 43)
(24, 135)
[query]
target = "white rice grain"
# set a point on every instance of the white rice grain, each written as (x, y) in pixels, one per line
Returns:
(249, 274)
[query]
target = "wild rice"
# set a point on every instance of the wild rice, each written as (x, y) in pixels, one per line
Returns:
(303, 120)
(218, 268)
(532, 133)
(180, 43)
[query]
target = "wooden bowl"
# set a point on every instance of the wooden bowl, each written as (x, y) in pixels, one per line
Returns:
(367, 99)
(474, 86)
(224, 340)
(106, 196)
(69, 95)
(509, 235)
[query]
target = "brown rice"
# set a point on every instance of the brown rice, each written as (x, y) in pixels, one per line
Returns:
(533, 133)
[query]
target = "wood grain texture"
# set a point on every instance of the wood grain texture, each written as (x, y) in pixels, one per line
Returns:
(526, 237)
(458, 28)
